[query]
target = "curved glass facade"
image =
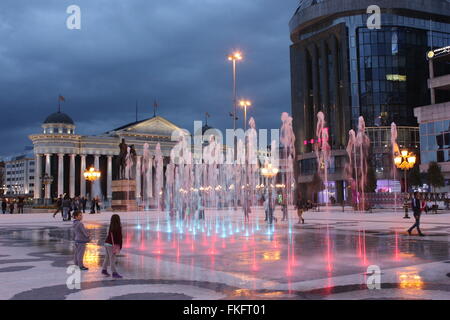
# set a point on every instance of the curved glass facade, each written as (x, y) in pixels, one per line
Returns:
(346, 70)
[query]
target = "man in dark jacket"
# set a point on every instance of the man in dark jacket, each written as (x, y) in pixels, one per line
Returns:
(59, 206)
(4, 206)
(416, 207)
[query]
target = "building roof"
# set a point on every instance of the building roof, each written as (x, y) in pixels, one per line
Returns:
(158, 126)
(59, 117)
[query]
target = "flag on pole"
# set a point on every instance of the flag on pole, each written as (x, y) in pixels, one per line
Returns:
(155, 106)
(60, 98)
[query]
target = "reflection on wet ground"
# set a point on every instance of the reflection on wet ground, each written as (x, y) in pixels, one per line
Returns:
(268, 252)
(250, 253)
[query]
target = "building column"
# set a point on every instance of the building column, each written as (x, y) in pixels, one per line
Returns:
(38, 178)
(48, 172)
(82, 180)
(138, 177)
(95, 186)
(316, 82)
(305, 126)
(340, 136)
(324, 80)
(109, 179)
(60, 173)
(72, 176)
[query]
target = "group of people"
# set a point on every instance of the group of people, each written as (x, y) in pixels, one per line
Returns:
(269, 208)
(10, 205)
(69, 206)
(113, 244)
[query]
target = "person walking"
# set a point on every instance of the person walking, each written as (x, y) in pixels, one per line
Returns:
(59, 206)
(83, 204)
(201, 208)
(92, 206)
(11, 207)
(416, 207)
(300, 209)
(66, 205)
(284, 208)
(97, 204)
(20, 205)
(4, 205)
(266, 207)
(81, 238)
(246, 208)
(113, 245)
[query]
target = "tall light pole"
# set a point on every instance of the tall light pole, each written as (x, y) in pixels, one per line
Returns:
(245, 104)
(234, 57)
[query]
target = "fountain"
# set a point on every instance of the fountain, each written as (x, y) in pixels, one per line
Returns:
(395, 153)
(322, 150)
(357, 166)
(287, 138)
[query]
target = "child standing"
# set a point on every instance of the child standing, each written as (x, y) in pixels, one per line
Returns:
(81, 238)
(113, 245)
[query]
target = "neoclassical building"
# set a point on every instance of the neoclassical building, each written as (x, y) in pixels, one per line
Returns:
(64, 155)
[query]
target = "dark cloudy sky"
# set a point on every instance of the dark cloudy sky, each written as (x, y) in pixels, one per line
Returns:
(171, 50)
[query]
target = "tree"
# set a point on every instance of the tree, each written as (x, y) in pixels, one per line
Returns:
(371, 180)
(415, 177)
(434, 176)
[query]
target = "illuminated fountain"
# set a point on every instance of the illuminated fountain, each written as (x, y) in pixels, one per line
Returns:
(356, 169)
(323, 150)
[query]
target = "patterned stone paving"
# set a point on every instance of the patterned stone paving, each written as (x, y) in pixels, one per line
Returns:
(225, 258)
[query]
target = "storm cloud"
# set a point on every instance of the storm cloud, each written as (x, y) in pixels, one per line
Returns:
(173, 51)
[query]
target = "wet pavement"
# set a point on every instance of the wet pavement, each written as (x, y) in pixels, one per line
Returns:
(224, 258)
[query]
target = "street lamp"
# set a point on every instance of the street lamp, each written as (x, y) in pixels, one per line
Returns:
(92, 174)
(405, 161)
(234, 57)
(269, 172)
(47, 180)
(245, 104)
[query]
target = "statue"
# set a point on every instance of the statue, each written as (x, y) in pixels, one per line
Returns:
(122, 158)
(130, 161)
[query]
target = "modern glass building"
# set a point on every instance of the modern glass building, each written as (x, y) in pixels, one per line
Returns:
(434, 119)
(344, 68)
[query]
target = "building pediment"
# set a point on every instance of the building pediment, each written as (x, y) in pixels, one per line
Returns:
(156, 126)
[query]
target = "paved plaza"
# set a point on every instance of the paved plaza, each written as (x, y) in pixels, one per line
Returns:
(225, 258)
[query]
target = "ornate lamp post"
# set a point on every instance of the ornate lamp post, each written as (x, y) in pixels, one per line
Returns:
(47, 180)
(405, 161)
(269, 172)
(92, 175)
